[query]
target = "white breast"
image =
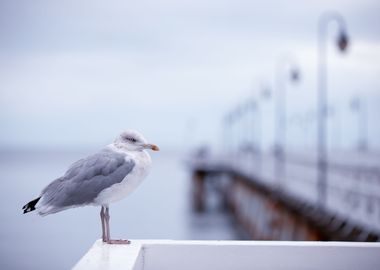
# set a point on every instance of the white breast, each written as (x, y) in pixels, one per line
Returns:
(120, 190)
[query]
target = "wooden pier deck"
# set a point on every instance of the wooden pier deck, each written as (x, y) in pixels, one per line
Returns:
(269, 210)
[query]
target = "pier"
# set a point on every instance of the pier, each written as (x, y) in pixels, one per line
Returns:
(268, 208)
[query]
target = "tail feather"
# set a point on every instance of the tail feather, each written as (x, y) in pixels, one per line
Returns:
(30, 206)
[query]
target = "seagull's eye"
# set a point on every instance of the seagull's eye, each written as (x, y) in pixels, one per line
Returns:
(131, 139)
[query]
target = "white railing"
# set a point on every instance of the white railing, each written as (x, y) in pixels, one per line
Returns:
(263, 255)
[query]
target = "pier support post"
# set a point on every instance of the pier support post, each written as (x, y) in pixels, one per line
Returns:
(199, 191)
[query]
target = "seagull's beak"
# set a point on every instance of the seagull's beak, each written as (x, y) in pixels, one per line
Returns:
(151, 146)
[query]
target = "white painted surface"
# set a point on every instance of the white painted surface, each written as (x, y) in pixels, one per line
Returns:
(103, 256)
(186, 255)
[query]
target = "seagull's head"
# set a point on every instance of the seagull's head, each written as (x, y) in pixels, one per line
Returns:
(134, 141)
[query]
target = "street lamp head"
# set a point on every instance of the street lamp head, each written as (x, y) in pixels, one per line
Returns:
(240, 110)
(355, 104)
(229, 118)
(237, 113)
(266, 93)
(294, 75)
(342, 41)
(226, 120)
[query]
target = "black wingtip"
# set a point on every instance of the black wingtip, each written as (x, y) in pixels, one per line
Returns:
(30, 206)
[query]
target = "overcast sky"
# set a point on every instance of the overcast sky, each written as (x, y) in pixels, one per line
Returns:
(78, 72)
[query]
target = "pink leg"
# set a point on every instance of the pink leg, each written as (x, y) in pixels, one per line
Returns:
(110, 241)
(102, 218)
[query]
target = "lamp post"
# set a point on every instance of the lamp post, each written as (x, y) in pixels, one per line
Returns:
(252, 106)
(358, 106)
(226, 142)
(234, 133)
(288, 64)
(245, 128)
(342, 43)
(240, 127)
(265, 95)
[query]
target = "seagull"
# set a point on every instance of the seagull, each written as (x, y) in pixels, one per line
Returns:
(100, 179)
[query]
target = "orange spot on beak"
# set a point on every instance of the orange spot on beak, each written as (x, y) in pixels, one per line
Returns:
(152, 146)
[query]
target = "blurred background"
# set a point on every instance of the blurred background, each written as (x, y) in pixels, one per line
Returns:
(266, 114)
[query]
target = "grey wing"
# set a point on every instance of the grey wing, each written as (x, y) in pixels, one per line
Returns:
(84, 180)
